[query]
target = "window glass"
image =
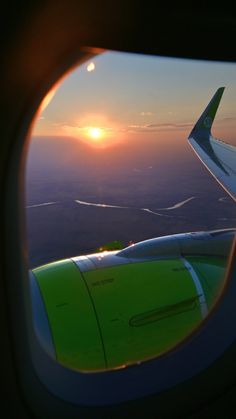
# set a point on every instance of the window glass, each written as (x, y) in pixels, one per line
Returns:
(110, 166)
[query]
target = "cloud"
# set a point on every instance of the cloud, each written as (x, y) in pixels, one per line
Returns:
(183, 125)
(146, 113)
(228, 119)
(156, 127)
(146, 128)
(159, 127)
(84, 128)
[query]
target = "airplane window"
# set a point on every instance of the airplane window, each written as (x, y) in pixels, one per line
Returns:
(128, 232)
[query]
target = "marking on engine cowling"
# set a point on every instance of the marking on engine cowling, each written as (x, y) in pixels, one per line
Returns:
(62, 305)
(198, 286)
(103, 282)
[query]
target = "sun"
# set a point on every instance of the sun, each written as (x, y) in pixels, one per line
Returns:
(95, 133)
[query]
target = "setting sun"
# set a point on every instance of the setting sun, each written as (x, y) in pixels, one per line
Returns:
(95, 133)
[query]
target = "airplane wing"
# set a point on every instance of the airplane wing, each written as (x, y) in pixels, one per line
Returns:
(218, 157)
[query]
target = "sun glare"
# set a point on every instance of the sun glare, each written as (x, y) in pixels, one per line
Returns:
(95, 133)
(91, 67)
(96, 130)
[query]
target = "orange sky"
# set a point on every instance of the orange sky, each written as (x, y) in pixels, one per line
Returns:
(126, 97)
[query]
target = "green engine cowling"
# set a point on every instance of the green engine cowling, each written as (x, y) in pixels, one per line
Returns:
(113, 309)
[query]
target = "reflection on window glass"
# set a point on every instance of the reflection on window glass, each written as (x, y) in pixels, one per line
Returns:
(128, 233)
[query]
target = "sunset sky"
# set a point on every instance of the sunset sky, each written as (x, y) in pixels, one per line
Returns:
(119, 97)
(109, 157)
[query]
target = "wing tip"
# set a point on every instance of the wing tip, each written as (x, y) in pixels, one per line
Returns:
(203, 126)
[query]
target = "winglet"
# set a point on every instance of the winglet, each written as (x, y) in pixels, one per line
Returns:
(218, 156)
(203, 126)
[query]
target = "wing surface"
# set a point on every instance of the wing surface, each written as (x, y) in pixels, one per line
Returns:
(218, 156)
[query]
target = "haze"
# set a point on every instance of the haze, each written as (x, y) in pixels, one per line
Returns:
(117, 135)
